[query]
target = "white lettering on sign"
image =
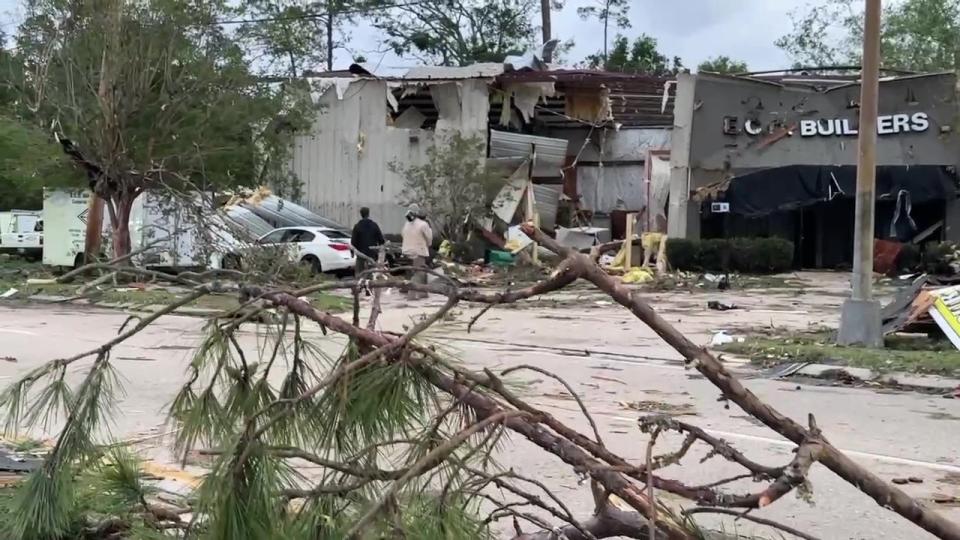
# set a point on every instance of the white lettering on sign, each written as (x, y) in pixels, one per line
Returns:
(890, 124)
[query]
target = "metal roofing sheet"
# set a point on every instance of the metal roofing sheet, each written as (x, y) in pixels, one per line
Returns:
(551, 153)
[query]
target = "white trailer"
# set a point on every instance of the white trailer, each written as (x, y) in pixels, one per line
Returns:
(177, 234)
(64, 226)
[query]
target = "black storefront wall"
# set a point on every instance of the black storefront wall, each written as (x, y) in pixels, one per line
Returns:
(787, 188)
(813, 206)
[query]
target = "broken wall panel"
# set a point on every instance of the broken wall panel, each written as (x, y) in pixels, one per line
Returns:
(658, 173)
(462, 106)
(601, 187)
(345, 162)
(614, 145)
(589, 105)
(550, 152)
(547, 199)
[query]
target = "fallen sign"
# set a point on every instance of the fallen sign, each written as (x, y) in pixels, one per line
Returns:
(945, 311)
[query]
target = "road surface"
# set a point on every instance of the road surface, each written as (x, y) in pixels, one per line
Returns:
(614, 361)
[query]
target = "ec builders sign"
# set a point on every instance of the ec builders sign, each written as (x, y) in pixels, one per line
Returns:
(890, 124)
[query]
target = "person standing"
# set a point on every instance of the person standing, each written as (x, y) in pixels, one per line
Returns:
(417, 238)
(366, 235)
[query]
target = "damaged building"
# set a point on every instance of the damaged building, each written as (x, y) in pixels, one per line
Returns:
(598, 142)
(776, 155)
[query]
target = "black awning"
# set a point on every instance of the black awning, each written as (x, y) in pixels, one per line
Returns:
(785, 188)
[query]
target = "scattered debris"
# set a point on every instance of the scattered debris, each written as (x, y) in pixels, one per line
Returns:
(9, 292)
(721, 306)
(659, 407)
(559, 395)
(610, 379)
(8, 359)
(637, 275)
(722, 338)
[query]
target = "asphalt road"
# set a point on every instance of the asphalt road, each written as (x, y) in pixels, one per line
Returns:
(614, 361)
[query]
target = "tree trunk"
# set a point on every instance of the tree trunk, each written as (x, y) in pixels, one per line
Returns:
(92, 239)
(121, 227)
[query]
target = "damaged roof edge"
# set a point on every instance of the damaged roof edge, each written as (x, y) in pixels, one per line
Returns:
(897, 78)
(838, 83)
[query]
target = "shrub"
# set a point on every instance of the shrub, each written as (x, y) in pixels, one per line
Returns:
(714, 255)
(748, 255)
(683, 253)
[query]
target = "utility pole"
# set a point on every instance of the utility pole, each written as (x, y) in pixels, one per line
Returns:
(547, 30)
(860, 319)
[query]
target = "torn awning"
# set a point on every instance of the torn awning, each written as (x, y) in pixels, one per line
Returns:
(785, 188)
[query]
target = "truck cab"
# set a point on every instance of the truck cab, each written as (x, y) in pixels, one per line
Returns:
(21, 232)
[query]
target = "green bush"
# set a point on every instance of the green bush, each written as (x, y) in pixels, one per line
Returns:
(683, 254)
(747, 255)
(715, 255)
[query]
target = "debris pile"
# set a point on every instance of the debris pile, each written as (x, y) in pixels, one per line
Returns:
(930, 305)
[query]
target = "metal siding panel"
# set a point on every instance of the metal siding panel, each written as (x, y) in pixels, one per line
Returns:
(600, 187)
(547, 198)
(551, 153)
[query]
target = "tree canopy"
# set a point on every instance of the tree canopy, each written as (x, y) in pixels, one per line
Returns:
(155, 93)
(459, 32)
(723, 64)
(917, 35)
(641, 56)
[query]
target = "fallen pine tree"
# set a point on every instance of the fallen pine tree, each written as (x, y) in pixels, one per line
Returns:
(402, 439)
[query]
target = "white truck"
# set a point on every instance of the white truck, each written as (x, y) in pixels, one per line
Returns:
(21, 232)
(65, 226)
(179, 235)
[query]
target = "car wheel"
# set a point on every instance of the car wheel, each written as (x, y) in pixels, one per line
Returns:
(313, 263)
(78, 261)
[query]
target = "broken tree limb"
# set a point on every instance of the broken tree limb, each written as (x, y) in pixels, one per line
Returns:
(608, 523)
(719, 446)
(485, 407)
(702, 360)
(748, 517)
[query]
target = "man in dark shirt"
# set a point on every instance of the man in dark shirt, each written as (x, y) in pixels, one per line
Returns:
(366, 235)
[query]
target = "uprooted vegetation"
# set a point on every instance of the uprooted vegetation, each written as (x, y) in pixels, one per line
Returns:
(401, 438)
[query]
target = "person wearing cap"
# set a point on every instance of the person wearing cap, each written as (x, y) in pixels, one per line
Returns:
(417, 238)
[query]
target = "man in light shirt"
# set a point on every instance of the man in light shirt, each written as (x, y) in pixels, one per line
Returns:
(417, 238)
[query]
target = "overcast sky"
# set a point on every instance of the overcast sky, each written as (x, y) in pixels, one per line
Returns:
(691, 29)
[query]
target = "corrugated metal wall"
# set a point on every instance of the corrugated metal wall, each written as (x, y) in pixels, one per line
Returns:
(611, 164)
(345, 163)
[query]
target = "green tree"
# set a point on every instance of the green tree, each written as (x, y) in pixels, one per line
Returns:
(918, 35)
(153, 94)
(29, 161)
(642, 56)
(458, 32)
(723, 64)
(291, 37)
(453, 187)
(607, 11)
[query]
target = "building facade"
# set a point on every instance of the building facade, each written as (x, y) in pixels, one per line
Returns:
(777, 157)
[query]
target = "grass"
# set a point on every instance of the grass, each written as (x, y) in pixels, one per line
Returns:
(901, 353)
(15, 272)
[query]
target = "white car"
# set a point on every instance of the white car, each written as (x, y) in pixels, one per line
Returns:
(324, 249)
